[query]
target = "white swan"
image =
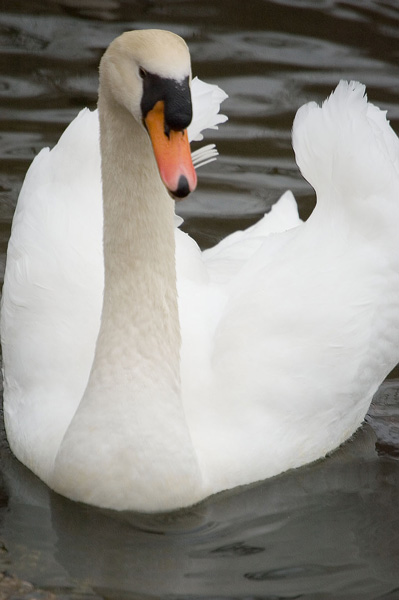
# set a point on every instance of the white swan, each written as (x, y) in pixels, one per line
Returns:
(280, 341)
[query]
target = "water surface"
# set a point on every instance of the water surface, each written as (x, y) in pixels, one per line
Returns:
(329, 530)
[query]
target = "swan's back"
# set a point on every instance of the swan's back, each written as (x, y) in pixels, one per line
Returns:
(314, 312)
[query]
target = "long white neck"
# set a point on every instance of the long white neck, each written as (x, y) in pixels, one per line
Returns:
(140, 316)
(139, 452)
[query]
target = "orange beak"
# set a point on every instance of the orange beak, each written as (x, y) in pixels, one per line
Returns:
(172, 153)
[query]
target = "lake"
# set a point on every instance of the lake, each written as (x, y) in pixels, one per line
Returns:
(325, 531)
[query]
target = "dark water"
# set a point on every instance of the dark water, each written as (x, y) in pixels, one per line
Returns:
(329, 530)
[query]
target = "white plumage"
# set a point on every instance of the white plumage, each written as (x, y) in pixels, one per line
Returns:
(287, 328)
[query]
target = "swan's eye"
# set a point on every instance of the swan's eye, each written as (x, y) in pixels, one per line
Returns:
(142, 73)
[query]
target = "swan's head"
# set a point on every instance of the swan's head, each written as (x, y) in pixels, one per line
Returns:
(148, 73)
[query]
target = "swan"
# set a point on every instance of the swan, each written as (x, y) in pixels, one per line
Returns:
(143, 374)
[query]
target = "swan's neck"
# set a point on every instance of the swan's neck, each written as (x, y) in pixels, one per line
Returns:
(129, 432)
(140, 302)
